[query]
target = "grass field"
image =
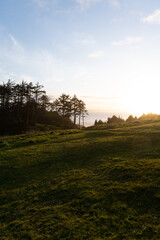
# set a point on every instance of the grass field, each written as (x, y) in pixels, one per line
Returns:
(97, 183)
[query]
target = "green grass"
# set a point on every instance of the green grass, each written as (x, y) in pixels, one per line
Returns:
(98, 183)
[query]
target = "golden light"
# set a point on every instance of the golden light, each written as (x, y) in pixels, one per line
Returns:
(142, 97)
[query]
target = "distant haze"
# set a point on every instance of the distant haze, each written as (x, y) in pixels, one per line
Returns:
(93, 115)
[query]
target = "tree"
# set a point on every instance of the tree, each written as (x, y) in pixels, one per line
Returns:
(55, 106)
(24, 105)
(6, 94)
(38, 92)
(130, 118)
(95, 123)
(82, 112)
(68, 107)
(63, 105)
(75, 108)
(115, 119)
(29, 101)
(44, 101)
(99, 122)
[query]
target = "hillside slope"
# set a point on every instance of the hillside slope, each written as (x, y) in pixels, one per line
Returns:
(99, 183)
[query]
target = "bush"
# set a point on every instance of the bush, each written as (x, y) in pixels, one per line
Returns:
(115, 119)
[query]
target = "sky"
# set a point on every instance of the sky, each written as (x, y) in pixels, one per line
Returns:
(107, 52)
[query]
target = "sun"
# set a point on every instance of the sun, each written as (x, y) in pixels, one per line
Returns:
(142, 97)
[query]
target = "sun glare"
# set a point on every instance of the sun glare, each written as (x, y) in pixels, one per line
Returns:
(142, 98)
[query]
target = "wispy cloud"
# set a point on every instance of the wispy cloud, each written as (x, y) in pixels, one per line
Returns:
(153, 18)
(44, 4)
(86, 3)
(114, 3)
(127, 41)
(97, 54)
(40, 65)
(15, 43)
(41, 3)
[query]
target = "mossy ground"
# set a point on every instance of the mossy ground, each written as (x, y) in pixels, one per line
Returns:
(98, 183)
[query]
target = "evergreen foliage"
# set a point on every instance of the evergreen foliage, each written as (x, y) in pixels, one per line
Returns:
(115, 119)
(23, 106)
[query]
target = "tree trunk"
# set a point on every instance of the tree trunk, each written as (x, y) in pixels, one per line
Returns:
(79, 121)
(74, 119)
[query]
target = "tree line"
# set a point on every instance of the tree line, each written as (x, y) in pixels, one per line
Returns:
(25, 106)
(115, 119)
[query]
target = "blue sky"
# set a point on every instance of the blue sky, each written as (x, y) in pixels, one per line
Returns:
(107, 52)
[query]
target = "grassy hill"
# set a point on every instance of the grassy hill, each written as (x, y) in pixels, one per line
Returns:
(98, 183)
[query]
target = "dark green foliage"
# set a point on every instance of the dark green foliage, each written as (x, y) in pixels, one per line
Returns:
(99, 122)
(3, 143)
(24, 106)
(98, 183)
(71, 107)
(115, 119)
(131, 118)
